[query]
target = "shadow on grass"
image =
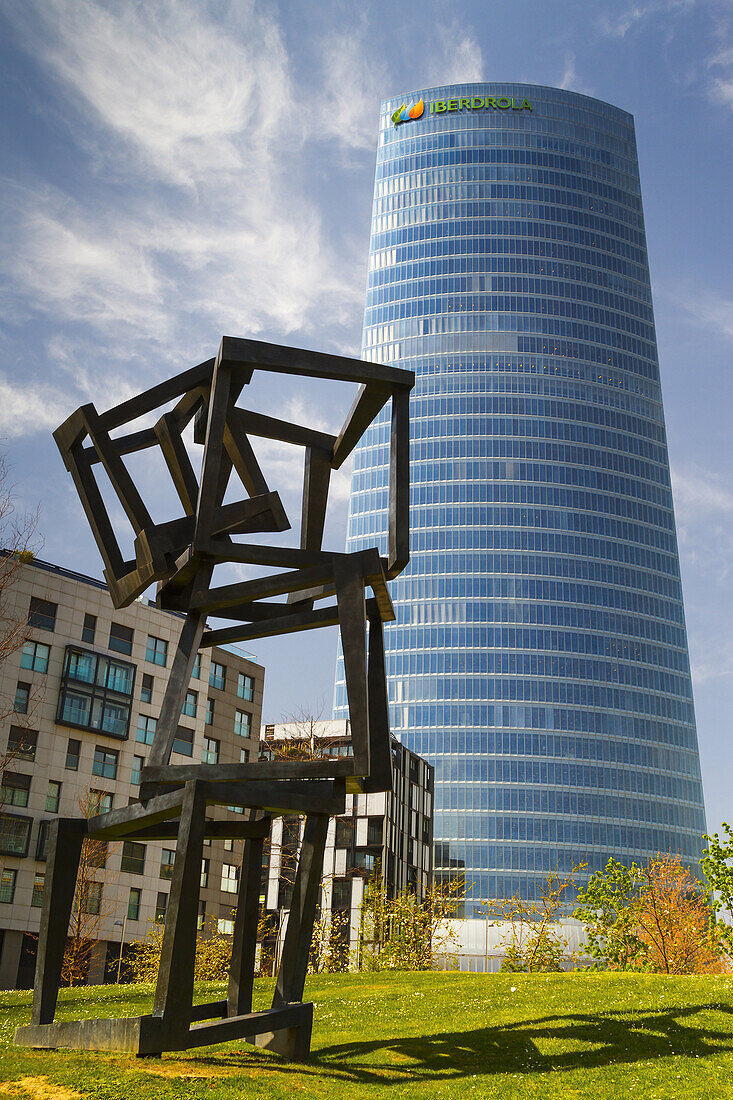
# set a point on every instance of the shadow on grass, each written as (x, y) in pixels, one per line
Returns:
(532, 1046)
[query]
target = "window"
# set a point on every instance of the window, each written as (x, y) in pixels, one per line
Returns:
(229, 845)
(210, 755)
(42, 614)
(161, 906)
(100, 800)
(53, 796)
(341, 893)
(42, 839)
(146, 690)
(209, 719)
(217, 675)
(35, 656)
(14, 789)
(146, 727)
(7, 885)
(133, 857)
(22, 743)
(196, 670)
(120, 638)
(156, 650)
(133, 903)
(245, 687)
(15, 834)
(225, 926)
(229, 878)
(105, 762)
(37, 895)
(201, 920)
(73, 751)
(184, 741)
(89, 629)
(167, 859)
(375, 830)
(204, 872)
(95, 692)
(22, 697)
(138, 763)
(244, 756)
(243, 723)
(190, 703)
(344, 832)
(90, 897)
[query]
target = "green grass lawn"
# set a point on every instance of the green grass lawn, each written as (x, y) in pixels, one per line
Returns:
(426, 1035)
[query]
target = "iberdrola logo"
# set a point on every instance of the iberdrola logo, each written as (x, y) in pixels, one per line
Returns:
(406, 114)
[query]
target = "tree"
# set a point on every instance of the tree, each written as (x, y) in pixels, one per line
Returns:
(17, 537)
(91, 904)
(717, 863)
(533, 943)
(654, 918)
(402, 933)
(213, 954)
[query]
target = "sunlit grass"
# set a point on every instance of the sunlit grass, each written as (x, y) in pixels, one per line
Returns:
(423, 1035)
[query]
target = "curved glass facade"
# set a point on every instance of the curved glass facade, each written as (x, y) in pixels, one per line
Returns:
(539, 659)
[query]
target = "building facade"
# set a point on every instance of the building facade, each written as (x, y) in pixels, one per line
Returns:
(81, 700)
(389, 832)
(539, 659)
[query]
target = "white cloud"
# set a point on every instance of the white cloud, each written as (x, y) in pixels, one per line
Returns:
(30, 407)
(458, 58)
(618, 26)
(709, 310)
(570, 78)
(698, 492)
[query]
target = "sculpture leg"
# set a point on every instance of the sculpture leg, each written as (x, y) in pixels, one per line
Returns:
(174, 991)
(62, 867)
(244, 944)
(296, 948)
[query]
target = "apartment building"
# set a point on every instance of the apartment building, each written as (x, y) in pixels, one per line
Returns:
(81, 701)
(389, 831)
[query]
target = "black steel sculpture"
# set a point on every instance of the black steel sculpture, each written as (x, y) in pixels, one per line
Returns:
(181, 556)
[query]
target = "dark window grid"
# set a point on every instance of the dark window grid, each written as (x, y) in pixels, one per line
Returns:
(37, 896)
(15, 834)
(156, 650)
(120, 638)
(167, 859)
(184, 741)
(22, 743)
(86, 703)
(42, 839)
(133, 903)
(161, 906)
(14, 789)
(53, 796)
(190, 704)
(35, 656)
(146, 689)
(7, 885)
(217, 675)
(90, 897)
(42, 614)
(89, 629)
(22, 697)
(133, 858)
(105, 763)
(73, 752)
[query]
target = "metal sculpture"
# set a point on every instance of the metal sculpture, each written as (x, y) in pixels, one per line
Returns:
(181, 556)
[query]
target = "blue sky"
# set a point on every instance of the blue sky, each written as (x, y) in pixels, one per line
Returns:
(173, 171)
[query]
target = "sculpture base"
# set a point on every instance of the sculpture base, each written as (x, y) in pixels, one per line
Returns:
(285, 1031)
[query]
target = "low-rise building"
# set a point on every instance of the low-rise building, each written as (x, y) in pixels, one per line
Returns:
(82, 698)
(388, 832)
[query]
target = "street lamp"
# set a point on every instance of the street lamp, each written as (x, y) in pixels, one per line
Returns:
(121, 924)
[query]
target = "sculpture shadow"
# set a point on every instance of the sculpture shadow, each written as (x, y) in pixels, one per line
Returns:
(597, 1040)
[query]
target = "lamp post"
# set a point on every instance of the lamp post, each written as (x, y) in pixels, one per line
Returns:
(121, 924)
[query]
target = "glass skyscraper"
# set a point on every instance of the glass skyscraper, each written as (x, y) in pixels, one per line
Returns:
(539, 659)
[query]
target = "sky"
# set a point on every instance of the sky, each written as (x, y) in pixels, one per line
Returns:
(176, 170)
